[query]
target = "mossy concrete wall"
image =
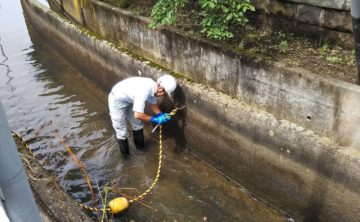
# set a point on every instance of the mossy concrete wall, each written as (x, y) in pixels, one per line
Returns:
(293, 167)
(325, 106)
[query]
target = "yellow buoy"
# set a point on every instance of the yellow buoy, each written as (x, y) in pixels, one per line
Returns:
(118, 204)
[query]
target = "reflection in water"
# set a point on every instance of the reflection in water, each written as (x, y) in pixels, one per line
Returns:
(45, 98)
(4, 65)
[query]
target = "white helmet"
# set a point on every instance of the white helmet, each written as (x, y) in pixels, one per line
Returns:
(168, 82)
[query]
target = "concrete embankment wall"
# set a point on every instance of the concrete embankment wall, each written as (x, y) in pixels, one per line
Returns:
(327, 107)
(274, 130)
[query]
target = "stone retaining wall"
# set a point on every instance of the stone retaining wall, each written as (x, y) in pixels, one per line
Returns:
(327, 20)
(333, 14)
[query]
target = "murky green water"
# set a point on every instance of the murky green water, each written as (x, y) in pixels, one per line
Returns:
(45, 99)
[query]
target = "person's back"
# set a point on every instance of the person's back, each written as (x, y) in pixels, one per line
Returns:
(135, 91)
(127, 102)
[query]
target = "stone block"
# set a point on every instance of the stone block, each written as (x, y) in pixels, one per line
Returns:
(309, 14)
(347, 5)
(334, 4)
(337, 20)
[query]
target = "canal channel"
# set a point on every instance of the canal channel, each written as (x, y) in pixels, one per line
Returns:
(47, 101)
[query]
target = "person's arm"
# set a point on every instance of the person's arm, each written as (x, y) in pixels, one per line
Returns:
(142, 117)
(146, 118)
(153, 119)
(155, 108)
(159, 117)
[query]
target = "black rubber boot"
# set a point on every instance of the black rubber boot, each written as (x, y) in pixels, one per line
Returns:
(124, 147)
(139, 138)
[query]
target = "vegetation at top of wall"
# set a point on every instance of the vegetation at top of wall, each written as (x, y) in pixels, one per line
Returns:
(253, 40)
(216, 16)
(165, 12)
(220, 15)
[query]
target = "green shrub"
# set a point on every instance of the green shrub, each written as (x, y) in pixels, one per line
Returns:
(165, 12)
(216, 15)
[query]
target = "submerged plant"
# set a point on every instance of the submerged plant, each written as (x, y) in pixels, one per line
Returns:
(106, 190)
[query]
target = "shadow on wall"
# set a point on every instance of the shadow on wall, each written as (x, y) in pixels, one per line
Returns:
(316, 203)
(175, 128)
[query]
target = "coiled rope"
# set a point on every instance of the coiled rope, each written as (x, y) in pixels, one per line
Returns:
(121, 203)
(141, 196)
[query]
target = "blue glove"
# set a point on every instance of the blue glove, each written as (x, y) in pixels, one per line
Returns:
(161, 119)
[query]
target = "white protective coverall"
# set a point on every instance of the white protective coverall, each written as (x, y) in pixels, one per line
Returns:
(129, 96)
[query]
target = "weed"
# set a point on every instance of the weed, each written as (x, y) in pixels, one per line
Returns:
(324, 48)
(283, 46)
(333, 59)
(241, 45)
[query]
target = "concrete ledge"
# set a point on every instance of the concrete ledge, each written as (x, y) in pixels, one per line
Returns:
(285, 164)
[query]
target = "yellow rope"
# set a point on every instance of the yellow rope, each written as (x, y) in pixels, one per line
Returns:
(141, 196)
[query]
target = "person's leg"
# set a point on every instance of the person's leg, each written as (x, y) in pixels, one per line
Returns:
(124, 147)
(138, 130)
(118, 119)
(139, 138)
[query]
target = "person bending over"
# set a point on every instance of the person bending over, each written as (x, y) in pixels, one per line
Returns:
(127, 100)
